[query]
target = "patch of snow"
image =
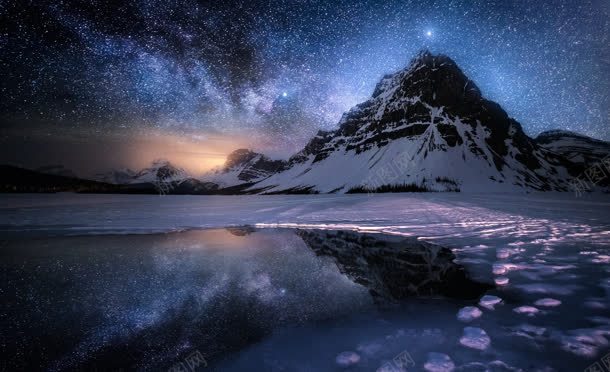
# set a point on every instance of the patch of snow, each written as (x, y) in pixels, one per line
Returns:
(489, 301)
(439, 362)
(469, 313)
(528, 310)
(347, 359)
(475, 338)
(547, 302)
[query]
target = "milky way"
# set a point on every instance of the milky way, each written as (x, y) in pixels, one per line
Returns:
(277, 71)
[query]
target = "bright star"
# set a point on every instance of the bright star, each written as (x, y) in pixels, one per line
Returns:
(284, 94)
(428, 33)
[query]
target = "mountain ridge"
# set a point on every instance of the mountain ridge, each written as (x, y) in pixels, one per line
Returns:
(434, 113)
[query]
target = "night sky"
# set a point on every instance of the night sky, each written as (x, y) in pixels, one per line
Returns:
(97, 84)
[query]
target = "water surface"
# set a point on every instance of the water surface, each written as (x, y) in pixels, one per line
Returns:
(274, 299)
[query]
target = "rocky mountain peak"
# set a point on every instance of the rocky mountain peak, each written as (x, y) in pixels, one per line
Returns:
(431, 116)
(240, 157)
(244, 165)
(160, 169)
(435, 79)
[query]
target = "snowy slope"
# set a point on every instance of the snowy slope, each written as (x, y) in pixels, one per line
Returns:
(426, 125)
(575, 147)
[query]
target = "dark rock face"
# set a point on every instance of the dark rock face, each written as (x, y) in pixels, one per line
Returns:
(168, 171)
(239, 157)
(192, 186)
(116, 176)
(252, 165)
(394, 268)
(585, 154)
(575, 147)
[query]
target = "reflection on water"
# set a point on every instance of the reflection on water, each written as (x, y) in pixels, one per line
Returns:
(122, 301)
(271, 299)
(394, 267)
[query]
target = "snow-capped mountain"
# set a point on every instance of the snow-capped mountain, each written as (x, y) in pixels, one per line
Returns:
(425, 127)
(160, 171)
(160, 177)
(575, 147)
(244, 166)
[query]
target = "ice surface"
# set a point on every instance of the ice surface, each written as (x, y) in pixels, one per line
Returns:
(548, 247)
(494, 220)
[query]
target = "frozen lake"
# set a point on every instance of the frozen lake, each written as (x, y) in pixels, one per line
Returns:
(87, 277)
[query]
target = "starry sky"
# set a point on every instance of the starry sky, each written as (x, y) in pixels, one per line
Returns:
(101, 83)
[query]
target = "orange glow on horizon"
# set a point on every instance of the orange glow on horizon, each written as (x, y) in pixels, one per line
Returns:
(196, 154)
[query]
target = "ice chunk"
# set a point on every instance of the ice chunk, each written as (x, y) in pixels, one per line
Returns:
(499, 269)
(529, 330)
(498, 365)
(528, 310)
(347, 359)
(475, 338)
(489, 301)
(438, 362)
(547, 302)
(501, 280)
(469, 313)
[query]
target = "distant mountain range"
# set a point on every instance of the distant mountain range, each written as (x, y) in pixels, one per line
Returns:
(425, 128)
(15, 179)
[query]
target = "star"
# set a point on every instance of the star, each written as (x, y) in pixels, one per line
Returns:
(223, 69)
